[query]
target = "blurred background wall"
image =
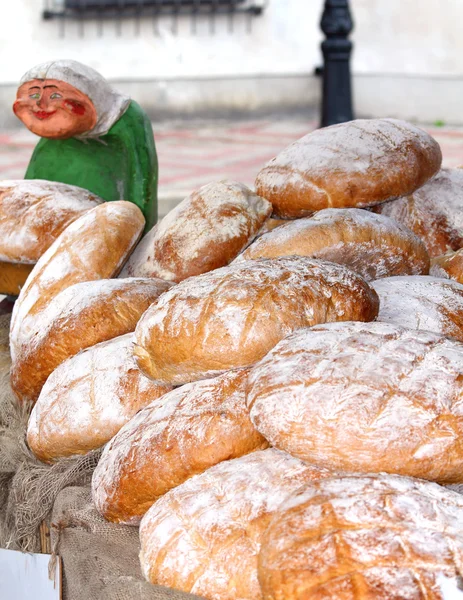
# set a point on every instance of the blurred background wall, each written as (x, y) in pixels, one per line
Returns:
(407, 60)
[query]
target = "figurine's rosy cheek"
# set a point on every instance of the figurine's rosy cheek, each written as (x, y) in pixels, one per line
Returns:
(75, 107)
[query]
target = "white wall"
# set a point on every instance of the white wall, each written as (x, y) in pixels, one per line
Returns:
(407, 62)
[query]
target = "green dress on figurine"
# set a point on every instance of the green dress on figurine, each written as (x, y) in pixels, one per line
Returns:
(115, 158)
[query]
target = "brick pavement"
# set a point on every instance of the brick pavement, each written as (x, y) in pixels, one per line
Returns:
(193, 153)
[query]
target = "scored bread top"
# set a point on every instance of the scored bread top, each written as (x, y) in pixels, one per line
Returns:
(366, 397)
(231, 317)
(204, 232)
(355, 538)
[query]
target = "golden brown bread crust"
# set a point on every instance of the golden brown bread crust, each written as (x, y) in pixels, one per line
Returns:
(371, 245)
(204, 232)
(79, 317)
(376, 537)
(355, 164)
(429, 303)
(33, 213)
(203, 536)
(233, 316)
(448, 266)
(94, 247)
(434, 212)
(180, 435)
(364, 397)
(12, 277)
(87, 399)
(270, 225)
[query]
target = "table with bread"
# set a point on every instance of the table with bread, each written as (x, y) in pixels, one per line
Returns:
(276, 375)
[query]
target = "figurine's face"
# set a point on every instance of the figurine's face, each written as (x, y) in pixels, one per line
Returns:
(54, 109)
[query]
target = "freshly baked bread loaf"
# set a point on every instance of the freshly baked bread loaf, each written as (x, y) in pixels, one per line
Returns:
(449, 266)
(205, 231)
(180, 435)
(233, 316)
(371, 245)
(88, 398)
(434, 212)
(379, 536)
(79, 317)
(95, 246)
(428, 303)
(355, 164)
(364, 397)
(204, 536)
(33, 213)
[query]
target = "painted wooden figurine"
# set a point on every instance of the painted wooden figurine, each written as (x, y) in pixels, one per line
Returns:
(92, 136)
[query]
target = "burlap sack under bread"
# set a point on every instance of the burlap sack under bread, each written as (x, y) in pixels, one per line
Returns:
(79, 317)
(379, 536)
(434, 212)
(372, 245)
(355, 164)
(429, 303)
(448, 266)
(95, 246)
(88, 398)
(203, 536)
(233, 316)
(204, 232)
(180, 435)
(33, 213)
(364, 397)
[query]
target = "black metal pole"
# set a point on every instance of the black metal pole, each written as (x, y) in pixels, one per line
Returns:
(336, 24)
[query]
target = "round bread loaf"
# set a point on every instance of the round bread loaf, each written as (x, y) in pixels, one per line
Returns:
(204, 536)
(180, 435)
(87, 399)
(364, 397)
(79, 317)
(355, 164)
(448, 266)
(380, 536)
(204, 232)
(434, 212)
(371, 245)
(233, 316)
(33, 213)
(428, 303)
(95, 246)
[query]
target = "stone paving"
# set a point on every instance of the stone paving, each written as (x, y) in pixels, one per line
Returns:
(194, 153)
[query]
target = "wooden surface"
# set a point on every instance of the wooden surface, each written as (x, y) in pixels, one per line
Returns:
(13, 277)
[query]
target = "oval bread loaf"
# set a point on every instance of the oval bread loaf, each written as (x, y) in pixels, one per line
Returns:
(79, 317)
(371, 245)
(356, 164)
(87, 399)
(364, 397)
(180, 435)
(434, 212)
(204, 232)
(233, 316)
(378, 536)
(203, 536)
(33, 213)
(428, 303)
(95, 246)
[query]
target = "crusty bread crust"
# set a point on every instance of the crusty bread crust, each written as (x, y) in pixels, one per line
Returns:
(356, 164)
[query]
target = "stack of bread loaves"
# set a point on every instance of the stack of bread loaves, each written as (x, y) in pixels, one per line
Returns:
(272, 372)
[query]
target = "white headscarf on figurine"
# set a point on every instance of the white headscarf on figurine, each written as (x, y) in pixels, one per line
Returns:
(109, 104)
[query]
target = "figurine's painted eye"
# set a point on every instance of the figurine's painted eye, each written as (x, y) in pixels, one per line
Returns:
(55, 96)
(35, 96)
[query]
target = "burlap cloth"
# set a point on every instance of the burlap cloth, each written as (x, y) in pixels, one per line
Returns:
(99, 559)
